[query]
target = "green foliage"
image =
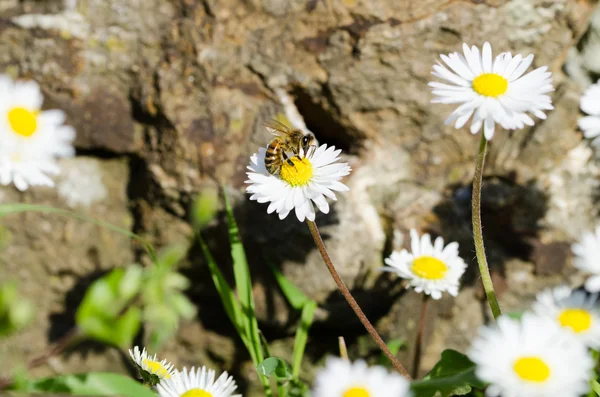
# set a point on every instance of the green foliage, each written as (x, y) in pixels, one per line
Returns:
(205, 207)
(595, 388)
(115, 305)
(453, 375)
(394, 345)
(162, 297)
(240, 309)
(15, 312)
(90, 384)
(105, 314)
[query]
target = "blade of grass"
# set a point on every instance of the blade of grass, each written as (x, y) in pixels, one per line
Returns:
(308, 313)
(8, 209)
(243, 283)
(293, 294)
(226, 293)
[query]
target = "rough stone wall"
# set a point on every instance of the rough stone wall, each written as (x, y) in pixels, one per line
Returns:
(169, 96)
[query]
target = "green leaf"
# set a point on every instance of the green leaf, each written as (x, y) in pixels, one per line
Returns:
(274, 366)
(308, 313)
(8, 209)
(293, 294)
(205, 207)
(90, 384)
(515, 315)
(228, 299)
(394, 345)
(243, 283)
(453, 375)
(596, 387)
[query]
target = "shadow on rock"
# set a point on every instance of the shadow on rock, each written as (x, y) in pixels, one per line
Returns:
(510, 215)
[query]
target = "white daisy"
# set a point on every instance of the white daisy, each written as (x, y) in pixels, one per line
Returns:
(590, 104)
(533, 357)
(341, 378)
(150, 365)
(587, 258)
(30, 139)
(310, 180)
(492, 91)
(573, 310)
(429, 268)
(198, 383)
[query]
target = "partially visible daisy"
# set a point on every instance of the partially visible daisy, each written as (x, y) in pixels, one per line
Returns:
(590, 104)
(151, 370)
(533, 357)
(573, 310)
(429, 268)
(587, 258)
(30, 138)
(341, 378)
(198, 383)
(492, 91)
(310, 180)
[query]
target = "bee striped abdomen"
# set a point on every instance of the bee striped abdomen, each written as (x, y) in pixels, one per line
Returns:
(273, 157)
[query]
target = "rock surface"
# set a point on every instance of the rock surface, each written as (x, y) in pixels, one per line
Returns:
(169, 97)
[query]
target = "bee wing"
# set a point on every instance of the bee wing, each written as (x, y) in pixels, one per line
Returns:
(277, 128)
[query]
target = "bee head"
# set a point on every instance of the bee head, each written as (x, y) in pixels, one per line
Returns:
(307, 141)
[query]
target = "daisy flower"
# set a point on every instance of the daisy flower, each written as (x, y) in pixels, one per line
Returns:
(533, 357)
(30, 138)
(491, 91)
(198, 383)
(429, 268)
(590, 104)
(151, 370)
(573, 310)
(310, 180)
(587, 258)
(341, 378)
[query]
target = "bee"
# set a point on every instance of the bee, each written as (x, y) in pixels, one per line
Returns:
(286, 140)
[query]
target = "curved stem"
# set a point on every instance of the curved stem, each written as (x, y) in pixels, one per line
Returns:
(352, 302)
(484, 270)
(419, 337)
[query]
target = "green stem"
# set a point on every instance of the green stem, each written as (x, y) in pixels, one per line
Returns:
(352, 302)
(484, 270)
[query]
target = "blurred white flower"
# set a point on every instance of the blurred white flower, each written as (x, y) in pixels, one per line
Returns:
(590, 104)
(575, 311)
(151, 365)
(429, 268)
(198, 383)
(533, 357)
(587, 258)
(492, 90)
(341, 378)
(80, 182)
(30, 139)
(310, 180)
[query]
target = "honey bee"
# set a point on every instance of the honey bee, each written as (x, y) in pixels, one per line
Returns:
(287, 140)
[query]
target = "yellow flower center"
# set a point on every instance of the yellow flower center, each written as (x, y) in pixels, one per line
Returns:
(298, 174)
(578, 320)
(429, 267)
(532, 369)
(23, 121)
(356, 392)
(490, 84)
(156, 368)
(196, 393)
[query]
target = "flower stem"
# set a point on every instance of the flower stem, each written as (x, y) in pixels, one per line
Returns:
(352, 302)
(419, 338)
(486, 279)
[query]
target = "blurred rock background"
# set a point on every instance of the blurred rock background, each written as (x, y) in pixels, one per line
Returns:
(168, 98)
